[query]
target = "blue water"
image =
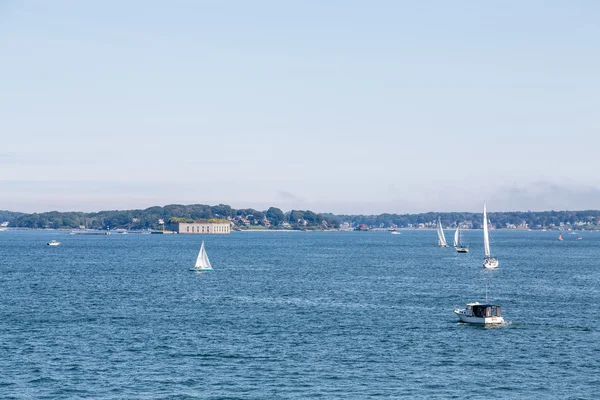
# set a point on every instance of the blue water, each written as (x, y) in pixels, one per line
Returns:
(296, 315)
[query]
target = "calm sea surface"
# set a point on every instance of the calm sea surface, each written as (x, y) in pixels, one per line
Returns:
(296, 315)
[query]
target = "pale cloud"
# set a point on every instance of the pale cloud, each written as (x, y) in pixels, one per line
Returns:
(287, 196)
(543, 195)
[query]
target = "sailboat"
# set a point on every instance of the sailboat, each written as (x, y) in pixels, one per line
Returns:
(458, 244)
(489, 261)
(440, 233)
(560, 237)
(202, 262)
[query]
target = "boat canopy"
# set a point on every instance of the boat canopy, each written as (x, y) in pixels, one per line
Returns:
(486, 311)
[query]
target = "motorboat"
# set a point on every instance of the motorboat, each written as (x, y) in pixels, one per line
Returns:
(53, 243)
(484, 314)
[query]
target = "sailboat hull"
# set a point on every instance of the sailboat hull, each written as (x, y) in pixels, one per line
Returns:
(490, 263)
(462, 250)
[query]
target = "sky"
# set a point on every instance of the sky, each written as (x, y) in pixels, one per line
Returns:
(333, 106)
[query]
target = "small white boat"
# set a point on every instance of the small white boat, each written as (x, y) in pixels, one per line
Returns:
(475, 313)
(396, 233)
(202, 262)
(489, 261)
(53, 243)
(440, 232)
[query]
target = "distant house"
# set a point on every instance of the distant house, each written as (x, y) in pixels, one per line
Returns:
(362, 227)
(242, 221)
(345, 226)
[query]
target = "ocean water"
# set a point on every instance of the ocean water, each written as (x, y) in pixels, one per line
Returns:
(296, 315)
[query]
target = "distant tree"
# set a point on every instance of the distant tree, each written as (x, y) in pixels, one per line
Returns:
(275, 216)
(295, 216)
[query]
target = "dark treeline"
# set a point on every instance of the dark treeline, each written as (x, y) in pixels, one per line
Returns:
(8, 215)
(295, 219)
(150, 217)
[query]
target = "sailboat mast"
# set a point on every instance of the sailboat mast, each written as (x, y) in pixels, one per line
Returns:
(440, 232)
(457, 237)
(199, 260)
(486, 292)
(486, 237)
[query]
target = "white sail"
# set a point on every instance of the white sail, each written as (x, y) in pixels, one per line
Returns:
(456, 237)
(440, 232)
(206, 261)
(202, 261)
(486, 236)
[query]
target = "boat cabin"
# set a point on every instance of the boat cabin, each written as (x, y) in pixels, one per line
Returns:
(484, 310)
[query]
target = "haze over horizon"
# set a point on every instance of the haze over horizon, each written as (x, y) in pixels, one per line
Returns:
(342, 107)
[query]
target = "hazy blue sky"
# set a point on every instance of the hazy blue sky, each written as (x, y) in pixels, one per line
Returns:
(342, 106)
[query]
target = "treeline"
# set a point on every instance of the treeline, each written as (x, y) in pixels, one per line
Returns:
(274, 218)
(152, 217)
(7, 216)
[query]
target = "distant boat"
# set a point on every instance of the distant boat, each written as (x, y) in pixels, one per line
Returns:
(396, 233)
(202, 262)
(579, 238)
(440, 232)
(489, 261)
(458, 243)
(560, 237)
(88, 232)
(476, 313)
(53, 243)
(572, 233)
